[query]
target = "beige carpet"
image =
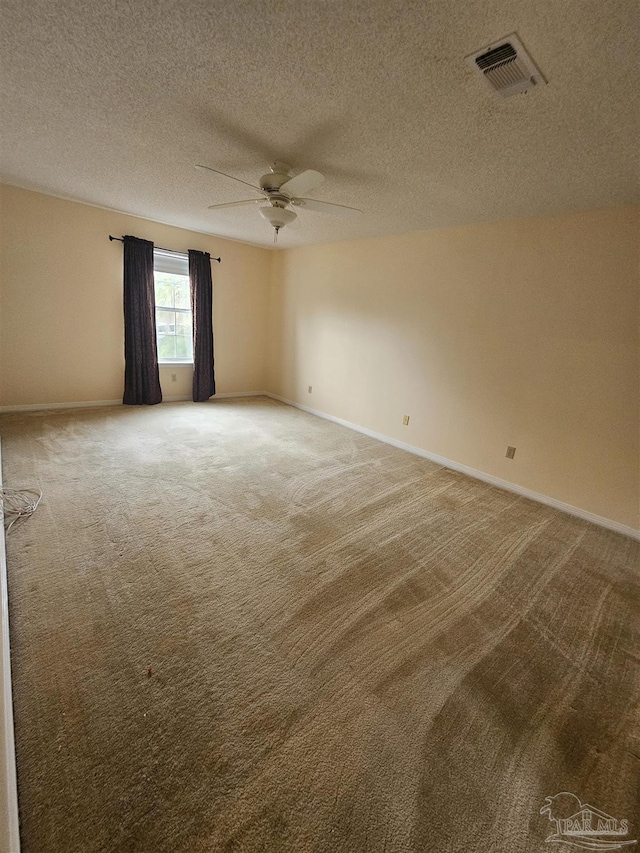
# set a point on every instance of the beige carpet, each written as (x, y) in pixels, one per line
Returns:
(237, 627)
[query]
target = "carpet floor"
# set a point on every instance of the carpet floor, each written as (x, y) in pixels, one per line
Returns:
(237, 627)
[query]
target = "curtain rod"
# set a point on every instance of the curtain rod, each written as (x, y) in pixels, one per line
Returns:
(171, 251)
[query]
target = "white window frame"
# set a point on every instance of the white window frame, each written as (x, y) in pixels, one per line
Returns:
(178, 264)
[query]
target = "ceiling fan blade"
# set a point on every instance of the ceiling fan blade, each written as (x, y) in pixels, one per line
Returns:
(327, 207)
(302, 183)
(224, 175)
(236, 203)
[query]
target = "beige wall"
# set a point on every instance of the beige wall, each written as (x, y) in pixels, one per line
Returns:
(523, 332)
(61, 326)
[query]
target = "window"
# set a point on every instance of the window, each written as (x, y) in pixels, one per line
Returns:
(173, 307)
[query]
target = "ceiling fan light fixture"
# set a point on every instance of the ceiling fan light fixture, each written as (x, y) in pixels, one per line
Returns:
(278, 217)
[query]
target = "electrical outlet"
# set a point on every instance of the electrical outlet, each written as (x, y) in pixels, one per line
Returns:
(511, 452)
(405, 420)
(174, 377)
(310, 388)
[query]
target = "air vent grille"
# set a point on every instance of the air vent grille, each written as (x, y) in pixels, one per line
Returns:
(507, 67)
(497, 56)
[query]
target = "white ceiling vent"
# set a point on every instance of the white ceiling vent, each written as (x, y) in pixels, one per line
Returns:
(507, 67)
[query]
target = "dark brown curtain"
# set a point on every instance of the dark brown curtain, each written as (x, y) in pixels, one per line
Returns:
(204, 383)
(141, 374)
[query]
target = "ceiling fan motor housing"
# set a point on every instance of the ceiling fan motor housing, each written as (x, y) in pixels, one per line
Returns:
(277, 175)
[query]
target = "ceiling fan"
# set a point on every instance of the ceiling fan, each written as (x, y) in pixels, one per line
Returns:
(284, 191)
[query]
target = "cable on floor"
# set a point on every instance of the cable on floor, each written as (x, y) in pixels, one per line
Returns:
(18, 504)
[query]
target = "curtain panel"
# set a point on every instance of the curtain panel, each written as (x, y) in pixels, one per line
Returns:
(141, 373)
(204, 384)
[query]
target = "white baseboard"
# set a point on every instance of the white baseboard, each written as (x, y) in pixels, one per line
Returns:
(9, 822)
(40, 407)
(600, 520)
(237, 394)
(226, 396)
(89, 404)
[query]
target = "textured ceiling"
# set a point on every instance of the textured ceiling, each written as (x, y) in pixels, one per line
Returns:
(114, 102)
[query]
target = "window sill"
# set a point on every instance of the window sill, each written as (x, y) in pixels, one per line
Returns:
(168, 363)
